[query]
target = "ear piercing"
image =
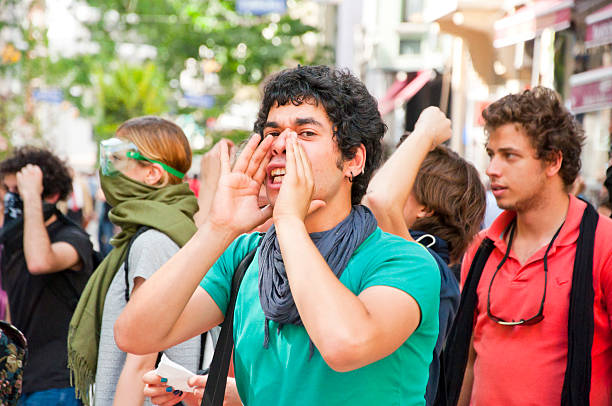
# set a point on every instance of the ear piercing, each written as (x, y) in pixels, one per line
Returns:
(350, 178)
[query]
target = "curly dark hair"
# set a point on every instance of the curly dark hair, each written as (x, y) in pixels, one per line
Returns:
(56, 176)
(352, 110)
(451, 188)
(550, 127)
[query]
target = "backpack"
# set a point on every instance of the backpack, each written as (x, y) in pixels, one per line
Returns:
(13, 356)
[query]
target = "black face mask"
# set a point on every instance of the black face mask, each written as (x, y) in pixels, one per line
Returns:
(13, 218)
(12, 229)
(13, 207)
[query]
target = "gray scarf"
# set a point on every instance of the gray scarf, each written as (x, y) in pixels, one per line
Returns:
(336, 246)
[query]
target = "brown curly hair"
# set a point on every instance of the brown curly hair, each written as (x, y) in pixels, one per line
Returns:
(550, 127)
(451, 188)
(56, 177)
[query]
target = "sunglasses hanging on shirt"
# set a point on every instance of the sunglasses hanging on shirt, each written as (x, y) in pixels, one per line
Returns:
(540, 314)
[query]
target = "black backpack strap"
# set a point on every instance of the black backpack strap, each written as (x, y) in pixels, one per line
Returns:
(455, 355)
(217, 377)
(581, 324)
(202, 370)
(126, 268)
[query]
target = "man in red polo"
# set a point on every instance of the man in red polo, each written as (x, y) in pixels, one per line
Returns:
(519, 348)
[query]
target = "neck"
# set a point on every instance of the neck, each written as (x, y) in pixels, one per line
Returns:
(541, 222)
(327, 217)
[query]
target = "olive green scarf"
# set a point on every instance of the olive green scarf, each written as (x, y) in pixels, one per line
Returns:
(169, 209)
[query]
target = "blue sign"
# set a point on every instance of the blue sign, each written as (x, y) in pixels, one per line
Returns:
(205, 101)
(261, 7)
(48, 95)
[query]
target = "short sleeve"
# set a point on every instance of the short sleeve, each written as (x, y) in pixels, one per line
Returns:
(409, 267)
(149, 252)
(79, 240)
(218, 280)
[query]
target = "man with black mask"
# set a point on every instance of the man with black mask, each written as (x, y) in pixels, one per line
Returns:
(46, 261)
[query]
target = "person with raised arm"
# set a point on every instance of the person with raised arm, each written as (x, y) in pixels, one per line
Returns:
(46, 262)
(428, 193)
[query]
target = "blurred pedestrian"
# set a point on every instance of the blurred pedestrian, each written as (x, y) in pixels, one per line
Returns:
(534, 325)
(46, 261)
(608, 182)
(106, 229)
(429, 194)
(79, 206)
(605, 208)
(194, 184)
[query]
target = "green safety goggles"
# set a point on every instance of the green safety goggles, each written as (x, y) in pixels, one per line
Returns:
(115, 154)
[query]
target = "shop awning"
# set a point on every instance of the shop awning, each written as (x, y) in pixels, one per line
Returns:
(531, 20)
(599, 27)
(402, 91)
(591, 90)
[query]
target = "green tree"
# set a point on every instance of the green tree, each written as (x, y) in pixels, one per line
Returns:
(244, 48)
(239, 49)
(22, 60)
(127, 91)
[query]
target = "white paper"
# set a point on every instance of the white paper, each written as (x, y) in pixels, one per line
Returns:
(176, 374)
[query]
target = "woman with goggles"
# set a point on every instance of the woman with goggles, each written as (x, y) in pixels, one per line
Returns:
(141, 172)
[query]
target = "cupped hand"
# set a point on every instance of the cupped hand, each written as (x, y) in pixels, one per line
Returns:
(30, 182)
(295, 196)
(433, 122)
(235, 206)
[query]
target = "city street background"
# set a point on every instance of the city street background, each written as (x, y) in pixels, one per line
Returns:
(72, 70)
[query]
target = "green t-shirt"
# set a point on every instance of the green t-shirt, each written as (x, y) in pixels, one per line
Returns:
(283, 374)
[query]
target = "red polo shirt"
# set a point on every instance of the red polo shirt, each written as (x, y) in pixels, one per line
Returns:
(525, 365)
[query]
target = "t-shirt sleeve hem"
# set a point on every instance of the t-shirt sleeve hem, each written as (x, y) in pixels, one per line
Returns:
(80, 244)
(403, 289)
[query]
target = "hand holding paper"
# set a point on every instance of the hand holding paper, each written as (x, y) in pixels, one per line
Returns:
(176, 374)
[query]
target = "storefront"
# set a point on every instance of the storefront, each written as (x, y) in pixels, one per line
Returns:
(591, 94)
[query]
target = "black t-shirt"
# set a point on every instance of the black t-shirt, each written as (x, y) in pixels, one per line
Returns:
(41, 306)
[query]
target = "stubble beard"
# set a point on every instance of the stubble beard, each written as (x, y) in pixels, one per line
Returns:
(533, 201)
